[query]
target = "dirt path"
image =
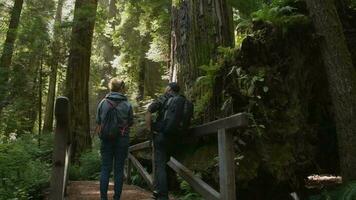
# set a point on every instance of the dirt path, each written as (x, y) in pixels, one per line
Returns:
(89, 190)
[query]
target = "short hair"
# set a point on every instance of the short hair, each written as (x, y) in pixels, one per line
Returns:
(174, 87)
(116, 85)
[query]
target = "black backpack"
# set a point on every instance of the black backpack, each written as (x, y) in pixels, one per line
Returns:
(178, 112)
(115, 122)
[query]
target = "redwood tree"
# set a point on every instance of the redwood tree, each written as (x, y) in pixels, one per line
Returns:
(342, 80)
(78, 73)
(6, 57)
(198, 28)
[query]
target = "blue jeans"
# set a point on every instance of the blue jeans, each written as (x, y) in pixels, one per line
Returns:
(163, 149)
(113, 152)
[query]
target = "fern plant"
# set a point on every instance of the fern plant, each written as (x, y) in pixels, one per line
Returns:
(344, 192)
(188, 193)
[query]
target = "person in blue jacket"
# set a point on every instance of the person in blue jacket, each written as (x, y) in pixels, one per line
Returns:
(114, 151)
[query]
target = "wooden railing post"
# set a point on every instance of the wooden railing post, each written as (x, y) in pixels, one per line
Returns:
(60, 151)
(226, 165)
(153, 161)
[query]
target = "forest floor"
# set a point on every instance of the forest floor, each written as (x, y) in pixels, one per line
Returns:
(89, 190)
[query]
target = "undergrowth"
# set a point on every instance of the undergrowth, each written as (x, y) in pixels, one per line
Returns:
(24, 167)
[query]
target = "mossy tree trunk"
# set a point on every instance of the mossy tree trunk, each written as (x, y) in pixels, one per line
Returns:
(54, 61)
(8, 49)
(198, 28)
(342, 80)
(78, 73)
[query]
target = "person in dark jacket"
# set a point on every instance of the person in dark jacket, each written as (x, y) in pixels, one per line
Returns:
(114, 151)
(163, 142)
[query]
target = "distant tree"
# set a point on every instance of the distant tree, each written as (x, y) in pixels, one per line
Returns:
(78, 73)
(54, 62)
(106, 39)
(342, 80)
(6, 57)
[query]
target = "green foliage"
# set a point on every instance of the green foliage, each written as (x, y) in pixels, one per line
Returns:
(24, 168)
(142, 37)
(30, 53)
(345, 192)
(353, 3)
(136, 178)
(187, 191)
(283, 16)
(246, 7)
(206, 83)
(89, 165)
(279, 13)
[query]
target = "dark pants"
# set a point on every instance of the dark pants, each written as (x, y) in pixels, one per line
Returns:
(113, 152)
(164, 147)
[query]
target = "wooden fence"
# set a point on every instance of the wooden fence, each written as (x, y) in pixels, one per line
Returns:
(62, 152)
(226, 159)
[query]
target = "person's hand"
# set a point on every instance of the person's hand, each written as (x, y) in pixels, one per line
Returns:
(98, 129)
(148, 130)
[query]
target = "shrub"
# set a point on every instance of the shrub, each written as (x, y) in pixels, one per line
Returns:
(22, 170)
(89, 164)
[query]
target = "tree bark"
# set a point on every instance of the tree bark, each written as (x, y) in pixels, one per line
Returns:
(342, 80)
(6, 57)
(55, 48)
(198, 29)
(78, 73)
(141, 79)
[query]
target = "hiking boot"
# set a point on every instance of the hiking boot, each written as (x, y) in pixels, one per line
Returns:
(155, 195)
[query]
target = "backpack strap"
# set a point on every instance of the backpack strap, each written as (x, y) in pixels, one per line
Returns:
(113, 106)
(112, 103)
(166, 106)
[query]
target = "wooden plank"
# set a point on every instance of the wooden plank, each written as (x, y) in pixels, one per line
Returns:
(226, 165)
(140, 146)
(58, 177)
(197, 184)
(66, 166)
(153, 160)
(145, 175)
(235, 121)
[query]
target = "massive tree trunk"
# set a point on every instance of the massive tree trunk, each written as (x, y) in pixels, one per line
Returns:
(342, 80)
(55, 49)
(78, 73)
(6, 57)
(198, 28)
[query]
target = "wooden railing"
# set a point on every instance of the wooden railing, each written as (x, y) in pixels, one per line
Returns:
(226, 159)
(61, 151)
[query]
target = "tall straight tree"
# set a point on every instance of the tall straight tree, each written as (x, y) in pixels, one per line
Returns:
(106, 43)
(198, 28)
(6, 57)
(54, 62)
(342, 80)
(78, 73)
